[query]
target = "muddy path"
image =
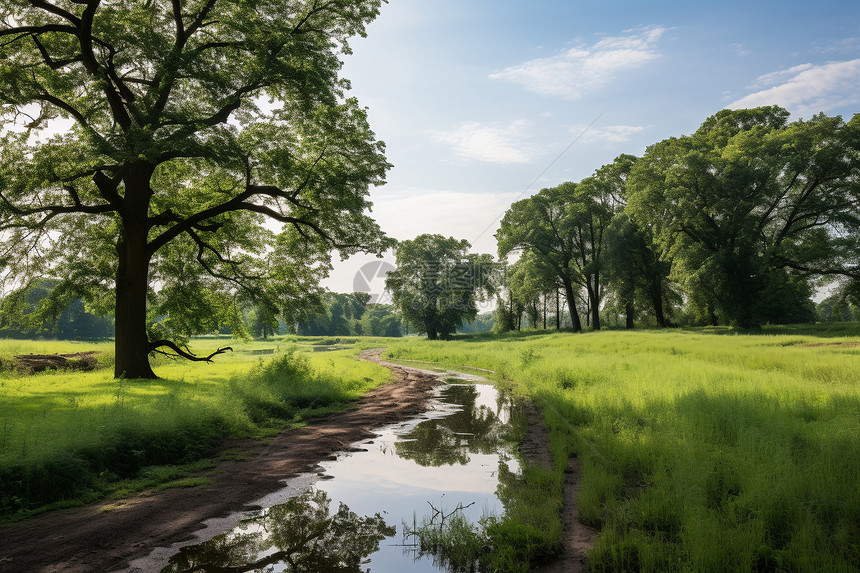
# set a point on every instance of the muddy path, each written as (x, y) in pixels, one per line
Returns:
(95, 538)
(577, 538)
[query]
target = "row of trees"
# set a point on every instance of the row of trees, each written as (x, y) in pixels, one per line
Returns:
(350, 315)
(37, 310)
(738, 223)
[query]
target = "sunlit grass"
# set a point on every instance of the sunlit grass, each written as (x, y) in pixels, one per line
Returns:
(74, 435)
(701, 452)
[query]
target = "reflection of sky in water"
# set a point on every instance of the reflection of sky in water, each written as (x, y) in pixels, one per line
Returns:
(447, 457)
(379, 480)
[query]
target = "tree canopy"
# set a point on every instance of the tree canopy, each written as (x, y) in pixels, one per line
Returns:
(751, 207)
(146, 143)
(746, 216)
(437, 283)
(564, 227)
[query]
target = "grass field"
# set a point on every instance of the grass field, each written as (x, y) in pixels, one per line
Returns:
(701, 451)
(71, 437)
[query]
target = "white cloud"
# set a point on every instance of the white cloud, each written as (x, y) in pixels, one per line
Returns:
(843, 45)
(493, 143)
(779, 77)
(582, 69)
(471, 216)
(740, 49)
(609, 133)
(807, 88)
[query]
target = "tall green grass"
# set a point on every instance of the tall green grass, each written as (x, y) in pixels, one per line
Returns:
(700, 452)
(70, 437)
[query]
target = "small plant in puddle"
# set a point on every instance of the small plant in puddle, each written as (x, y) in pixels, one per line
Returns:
(456, 542)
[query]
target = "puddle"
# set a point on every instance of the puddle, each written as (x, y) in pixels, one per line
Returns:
(350, 514)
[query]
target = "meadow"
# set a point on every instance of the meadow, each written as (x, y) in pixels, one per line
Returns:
(701, 450)
(68, 438)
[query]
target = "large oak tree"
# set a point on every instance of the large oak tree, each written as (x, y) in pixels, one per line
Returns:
(145, 142)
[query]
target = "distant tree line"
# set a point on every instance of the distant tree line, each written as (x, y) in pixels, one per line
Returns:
(42, 310)
(735, 224)
(351, 315)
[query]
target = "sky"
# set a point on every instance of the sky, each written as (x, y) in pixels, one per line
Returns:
(484, 102)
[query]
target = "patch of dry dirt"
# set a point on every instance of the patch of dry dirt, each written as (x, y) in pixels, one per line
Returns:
(90, 539)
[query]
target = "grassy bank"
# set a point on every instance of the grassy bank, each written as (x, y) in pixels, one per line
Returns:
(72, 437)
(701, 452)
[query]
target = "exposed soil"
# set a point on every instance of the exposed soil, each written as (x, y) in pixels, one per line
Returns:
(576, 538)
(92, 538)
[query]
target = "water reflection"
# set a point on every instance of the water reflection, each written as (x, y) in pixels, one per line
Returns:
(451, 456)
(298, 536)
(473, 428)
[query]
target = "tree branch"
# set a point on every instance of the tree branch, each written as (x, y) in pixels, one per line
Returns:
(825, 271)
(23, 31)
(48, 7)
(178, 352)
(203, 246)
(67, 107)
(49, 61)
(86, 40)
(198, 21)
(52, 211)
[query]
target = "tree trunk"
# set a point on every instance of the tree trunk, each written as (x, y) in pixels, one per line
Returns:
(132, 278)
(594, 300)
(628, 309)
(587, 301)
(656, 292)
(712, 316)
(658, 311)
(557, 310)
(430, 327)
(571, 306)
(544, 311)
(132, 283)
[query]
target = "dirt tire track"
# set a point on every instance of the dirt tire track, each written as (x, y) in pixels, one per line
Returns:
(89, 539)
(577, 538)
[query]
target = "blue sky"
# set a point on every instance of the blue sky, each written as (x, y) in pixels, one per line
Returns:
(483, 102)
